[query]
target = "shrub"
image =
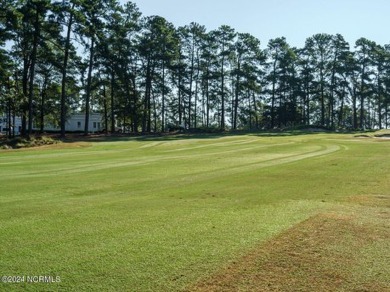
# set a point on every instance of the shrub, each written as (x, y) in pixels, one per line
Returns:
(20, 142)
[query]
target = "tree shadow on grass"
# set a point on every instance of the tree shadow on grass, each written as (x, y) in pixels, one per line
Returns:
(188, 135)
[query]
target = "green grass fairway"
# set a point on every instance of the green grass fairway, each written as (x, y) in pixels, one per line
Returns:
(167, 213)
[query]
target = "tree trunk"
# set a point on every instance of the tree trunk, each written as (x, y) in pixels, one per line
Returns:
(24, 104)
(235, 107)
(163, 100)
(180, 98)
(9, 120)
(37, 28)
(196, 102)
(207, 99)
(255, 110)
(354, 106)
(105, 109)
(112, 94)
(341, 114)
(322, 90)
(362, 89)
(134, 105)
(154, 114)
(147, 116)
(64, 71)
(273, 97)
(191, 81)
(89, 81)
(223, 95)
(43, 98)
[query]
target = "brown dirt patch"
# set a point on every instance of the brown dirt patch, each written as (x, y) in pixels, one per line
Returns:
(319, 254)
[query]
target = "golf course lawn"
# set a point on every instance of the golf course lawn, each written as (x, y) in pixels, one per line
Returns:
(197, 213)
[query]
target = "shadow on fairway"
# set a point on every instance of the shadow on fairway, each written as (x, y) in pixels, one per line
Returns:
(186, 136)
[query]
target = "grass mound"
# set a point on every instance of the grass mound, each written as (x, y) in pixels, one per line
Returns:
(383, 134)
(374, 134)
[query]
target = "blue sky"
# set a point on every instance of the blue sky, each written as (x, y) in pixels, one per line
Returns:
(294, 19)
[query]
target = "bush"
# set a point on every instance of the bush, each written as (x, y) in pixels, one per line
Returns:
(20, 142)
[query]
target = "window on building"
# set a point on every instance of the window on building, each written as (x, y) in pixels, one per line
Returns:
(94, 125)
(98, 125)
(78, 125)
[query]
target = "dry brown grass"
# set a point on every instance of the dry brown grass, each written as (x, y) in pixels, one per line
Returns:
(322, 253)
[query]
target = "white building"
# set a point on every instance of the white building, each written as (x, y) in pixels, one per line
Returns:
(75, 123)
(16, 124)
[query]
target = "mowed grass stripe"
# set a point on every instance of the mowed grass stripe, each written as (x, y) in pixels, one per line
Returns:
(218, 144)
(118, 159)
(80, 163)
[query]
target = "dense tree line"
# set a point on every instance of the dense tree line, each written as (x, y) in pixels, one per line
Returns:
(144, 74)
